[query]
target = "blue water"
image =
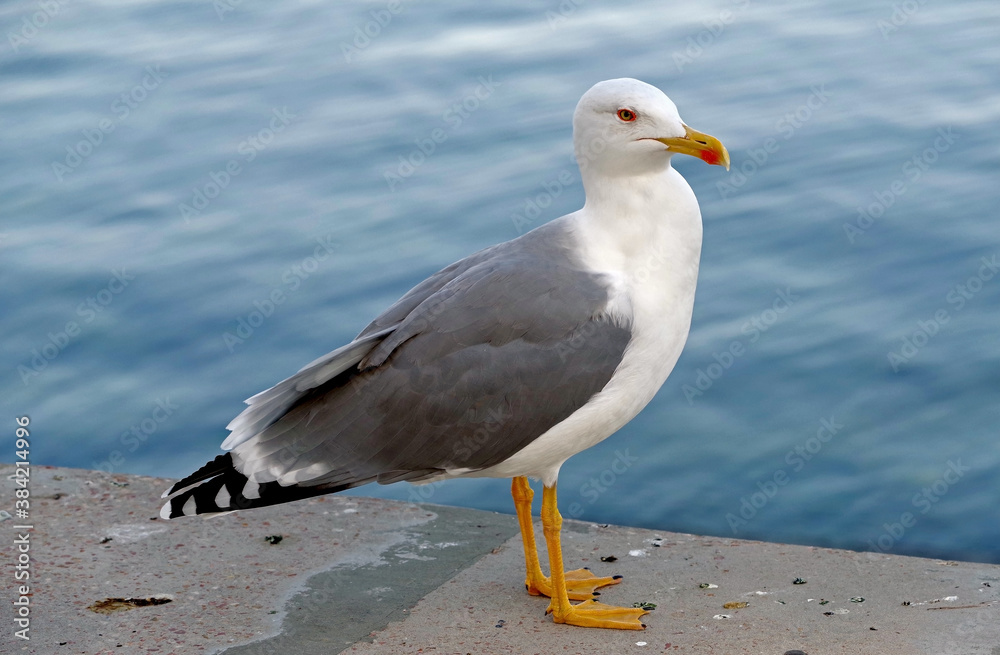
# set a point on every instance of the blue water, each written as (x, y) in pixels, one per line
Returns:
(840, 384)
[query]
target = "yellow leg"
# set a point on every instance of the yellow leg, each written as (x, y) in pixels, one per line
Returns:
(523, 494)
(581, 584)
(589, 614)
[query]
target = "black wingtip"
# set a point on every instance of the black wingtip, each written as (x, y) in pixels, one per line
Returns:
(219, 465)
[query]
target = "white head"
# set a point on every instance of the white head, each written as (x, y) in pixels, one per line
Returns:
(625, 127)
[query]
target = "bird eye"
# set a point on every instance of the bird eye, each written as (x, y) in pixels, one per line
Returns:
(626, 115)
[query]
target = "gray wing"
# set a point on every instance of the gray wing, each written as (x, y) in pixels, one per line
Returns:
(271, 404)
(462, 372)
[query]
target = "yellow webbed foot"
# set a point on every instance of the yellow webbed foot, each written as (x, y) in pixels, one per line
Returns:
(592, 614)
(581, 584)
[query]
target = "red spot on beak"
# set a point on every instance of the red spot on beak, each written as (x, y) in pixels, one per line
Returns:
(709, 157)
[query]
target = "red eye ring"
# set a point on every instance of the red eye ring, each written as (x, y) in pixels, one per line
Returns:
(626, 115)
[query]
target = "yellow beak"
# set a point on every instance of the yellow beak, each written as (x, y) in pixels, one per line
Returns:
(704, 147)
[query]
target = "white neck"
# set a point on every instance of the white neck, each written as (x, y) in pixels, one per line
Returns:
(646, 228)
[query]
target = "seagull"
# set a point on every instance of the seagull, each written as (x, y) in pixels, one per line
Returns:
(506, 363)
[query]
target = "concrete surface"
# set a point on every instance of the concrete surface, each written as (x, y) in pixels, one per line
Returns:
(367, 576)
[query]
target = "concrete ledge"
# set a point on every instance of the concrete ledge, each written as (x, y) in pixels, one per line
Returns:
(369, 576)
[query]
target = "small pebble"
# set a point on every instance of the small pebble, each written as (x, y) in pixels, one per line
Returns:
(798, 581)
(735, 605)
(273, 539)
(708, 585)
(640, 643)
(857, 599)
(609, 558)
